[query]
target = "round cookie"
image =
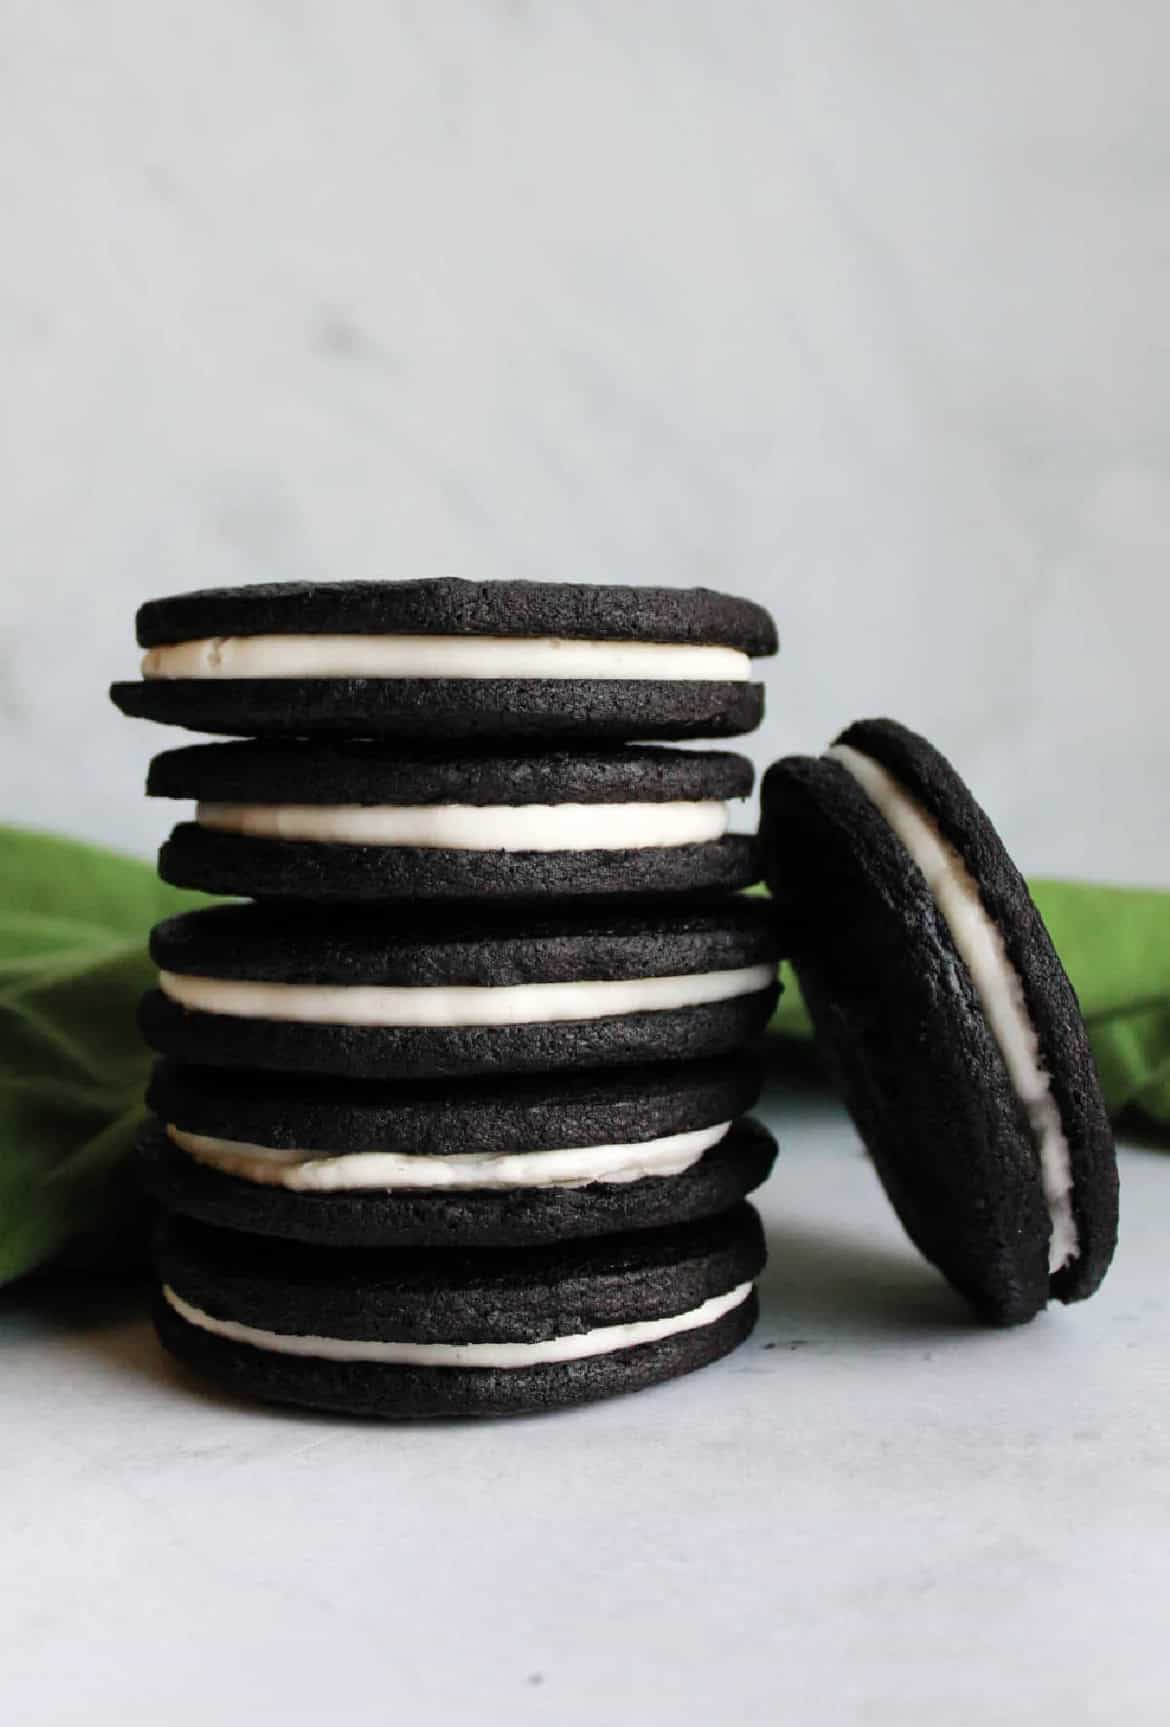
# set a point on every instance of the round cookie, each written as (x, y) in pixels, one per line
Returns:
(456, 661)
(407, 1332)
(946, 1018)
(383, 993)
(364, 821)
(449, 606)
(488, 1163)
(452, 1216)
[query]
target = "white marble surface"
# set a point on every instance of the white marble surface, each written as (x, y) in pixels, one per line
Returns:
(872, 1513)
(855, 306)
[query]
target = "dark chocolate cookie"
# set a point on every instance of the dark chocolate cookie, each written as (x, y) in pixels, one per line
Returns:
(460, 661)
(448, 606)
(443, 1215)
(412, 993)
(484, 1162)
(363, 821)
(478, 1331)
(946, 1018)
(430, 1118)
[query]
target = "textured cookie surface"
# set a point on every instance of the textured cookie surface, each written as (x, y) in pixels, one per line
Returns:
(520, 1216)
(501, 1114)
(447, 606)
(299, 944)
(423, 1052)
(358, 772)
(899, 1018)
(456, 711)
(243, 866)
(533, 1296)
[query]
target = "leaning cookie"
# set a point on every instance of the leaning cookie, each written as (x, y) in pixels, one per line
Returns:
(404, 1332)
(946, 1017)
(451, 660)
(489, 1163)
(406, 993)
(360, 821)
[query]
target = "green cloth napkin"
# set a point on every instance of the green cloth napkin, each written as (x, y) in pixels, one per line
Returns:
(73, 963)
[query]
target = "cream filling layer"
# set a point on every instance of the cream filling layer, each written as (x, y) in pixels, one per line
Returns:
(471, 1172)
(468, 827)
(443, 657)
(605, 1340)
(460, 1004)
(997, 984)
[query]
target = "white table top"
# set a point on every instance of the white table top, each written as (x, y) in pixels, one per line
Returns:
(873, 1512)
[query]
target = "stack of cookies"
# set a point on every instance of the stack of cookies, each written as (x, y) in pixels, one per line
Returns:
(450, 1118)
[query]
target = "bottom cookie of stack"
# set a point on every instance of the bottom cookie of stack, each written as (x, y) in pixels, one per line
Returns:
(420, 1332)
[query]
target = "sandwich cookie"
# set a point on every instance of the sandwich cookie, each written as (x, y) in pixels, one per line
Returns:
(446, 1331)
(488, 1163)
(413, 993)
(451, 660)
(362, 821)
(946, 1017)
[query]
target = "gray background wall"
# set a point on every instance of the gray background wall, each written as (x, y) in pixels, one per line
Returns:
(855, 307)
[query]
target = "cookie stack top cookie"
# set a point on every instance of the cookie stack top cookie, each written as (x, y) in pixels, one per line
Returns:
(452, 661)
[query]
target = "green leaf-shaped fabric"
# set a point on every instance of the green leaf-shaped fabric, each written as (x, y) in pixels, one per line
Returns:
(73, 964)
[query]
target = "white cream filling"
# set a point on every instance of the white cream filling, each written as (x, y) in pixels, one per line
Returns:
(442, 657)
(472, 1172)
(997, 984)
(468, 827)
(460, 1004)
(605, 1340)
